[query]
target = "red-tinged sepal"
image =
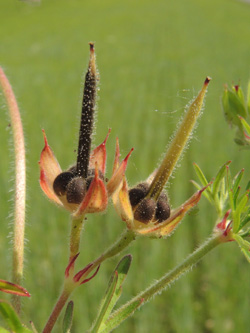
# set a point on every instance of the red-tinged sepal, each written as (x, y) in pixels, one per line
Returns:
(70, 266)
(225, 228)
(82, 272)
(117, 156)
(166, 227)
(92, 276)
(96, 198)
(99, 156)
(12, 288)
(79, 277)
(49, 170)
(118, 172)
(122, 204)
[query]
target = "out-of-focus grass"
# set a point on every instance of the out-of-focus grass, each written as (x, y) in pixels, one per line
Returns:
(153, 58)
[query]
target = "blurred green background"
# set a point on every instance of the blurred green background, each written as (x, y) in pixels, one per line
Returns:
(153, 57)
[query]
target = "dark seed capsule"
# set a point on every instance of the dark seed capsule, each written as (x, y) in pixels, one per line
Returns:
(145, 211)
(138, 193)
(73, 170)
(144, 187)
(61, 182)
(162, 210)
(135, 196)
(76, 190)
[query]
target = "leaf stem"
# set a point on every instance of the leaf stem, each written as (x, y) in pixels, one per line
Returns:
(125, 239)
(129, 308)
(75, 236)
(20, 185)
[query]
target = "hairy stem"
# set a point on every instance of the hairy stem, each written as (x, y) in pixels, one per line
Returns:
(20, 184)
(75, 236)
(125, 239)
(129, 308)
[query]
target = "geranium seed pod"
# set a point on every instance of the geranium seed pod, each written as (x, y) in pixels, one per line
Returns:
(138, 193)
(145, 211)
(76, 190)
(61, 182)
(162, 210)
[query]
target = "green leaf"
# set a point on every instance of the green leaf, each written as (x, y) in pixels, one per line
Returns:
(3, 330)
(248, 97)
(241, 204)
(117, 317)
(244, 246)
(237, 180)
(113, 293)
(203, 180)
(244, 221)
(219, 177)
(11, 288)
(11, 318)
(68, 317)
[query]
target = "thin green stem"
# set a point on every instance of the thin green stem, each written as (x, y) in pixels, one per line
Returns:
(129, 308)
(20, 185)
(75, 236)
(125, 239)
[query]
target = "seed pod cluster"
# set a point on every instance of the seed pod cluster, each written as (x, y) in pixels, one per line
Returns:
(73, 186)
(146, 209)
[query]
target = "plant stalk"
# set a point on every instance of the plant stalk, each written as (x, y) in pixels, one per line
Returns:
(129, 308)
(125, 239)
(20, 185)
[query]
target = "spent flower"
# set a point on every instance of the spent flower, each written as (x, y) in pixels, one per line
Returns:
(145, 207)
(82, 188)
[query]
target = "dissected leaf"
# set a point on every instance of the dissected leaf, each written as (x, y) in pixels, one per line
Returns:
(11, 318)
(220, 175)
(68, 317)
(244, 246)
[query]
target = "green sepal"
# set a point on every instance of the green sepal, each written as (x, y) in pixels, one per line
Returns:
(232, 107)
(113, 293)
(11, 318)
(68, 317)
(244, 246)
(245, 125)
